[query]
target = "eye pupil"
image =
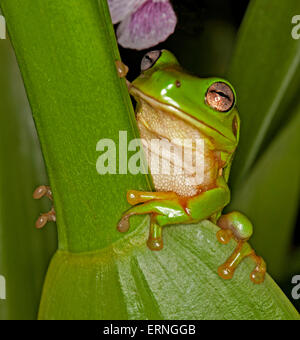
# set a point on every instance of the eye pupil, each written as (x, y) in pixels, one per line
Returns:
(150, 59)
(220, 97)
(222, 94)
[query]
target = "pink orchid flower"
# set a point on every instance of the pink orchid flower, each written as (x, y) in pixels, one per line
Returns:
(143, 23)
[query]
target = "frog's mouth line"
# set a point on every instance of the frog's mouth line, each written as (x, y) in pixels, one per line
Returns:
(177, 112)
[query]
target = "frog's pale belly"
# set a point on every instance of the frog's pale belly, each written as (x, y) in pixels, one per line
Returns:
(177, 153)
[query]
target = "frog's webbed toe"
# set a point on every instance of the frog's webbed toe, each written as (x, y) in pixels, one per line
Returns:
(155, 239)
(44, 218)
(124, 224)
(259, 272)
(122, 69)
(41, 191)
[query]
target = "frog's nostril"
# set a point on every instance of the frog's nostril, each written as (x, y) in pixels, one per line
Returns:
(177, 83)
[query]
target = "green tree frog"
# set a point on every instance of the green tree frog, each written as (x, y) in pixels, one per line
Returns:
(174, 105)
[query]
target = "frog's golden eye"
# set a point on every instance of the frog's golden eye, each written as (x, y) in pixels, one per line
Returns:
(150, 59)
(220, 97)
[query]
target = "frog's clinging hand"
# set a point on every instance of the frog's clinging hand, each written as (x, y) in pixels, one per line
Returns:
(173, 105)
(44, 218)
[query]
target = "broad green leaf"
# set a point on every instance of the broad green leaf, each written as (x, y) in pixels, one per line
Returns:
(76, 99)
(270, 196)
(265, 71)
(24, 251)
(128, 281)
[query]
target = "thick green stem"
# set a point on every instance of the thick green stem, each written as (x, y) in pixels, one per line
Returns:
(66, 51)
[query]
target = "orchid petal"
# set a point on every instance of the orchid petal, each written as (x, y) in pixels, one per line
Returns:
(151, 24)
(120, 9)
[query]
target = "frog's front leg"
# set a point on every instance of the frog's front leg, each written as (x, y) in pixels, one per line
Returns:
(136, 197)
(40, 192)
(168, 208)
(236, 225)
(163, 211)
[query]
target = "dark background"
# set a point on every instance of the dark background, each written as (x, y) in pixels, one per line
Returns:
(196, 21)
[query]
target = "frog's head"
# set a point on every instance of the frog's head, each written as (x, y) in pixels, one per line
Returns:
(208, 104)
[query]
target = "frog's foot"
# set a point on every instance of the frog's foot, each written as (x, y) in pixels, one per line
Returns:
(122, 70)
(163, 212)
(242, 251)
(40, 192)
(155, 241)
(45, 218)
(236, 225)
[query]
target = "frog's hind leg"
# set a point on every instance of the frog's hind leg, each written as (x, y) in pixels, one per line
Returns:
(40, 192)
(162, 212)
(236, 225)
